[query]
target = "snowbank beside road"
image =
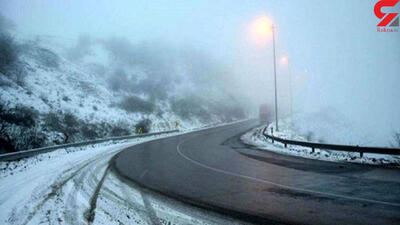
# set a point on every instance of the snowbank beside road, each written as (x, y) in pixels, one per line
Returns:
(74, 186)
(256, 138)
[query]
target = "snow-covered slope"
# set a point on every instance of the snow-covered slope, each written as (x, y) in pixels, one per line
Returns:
(71, 101)
(67, 87)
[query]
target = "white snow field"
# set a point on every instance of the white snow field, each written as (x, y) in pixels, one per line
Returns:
(74, 186)
(73, 88)
(256, 138)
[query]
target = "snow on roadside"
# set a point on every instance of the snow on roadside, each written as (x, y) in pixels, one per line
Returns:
(49, 187)
(256, 138)
(58, 188)
(13, 168)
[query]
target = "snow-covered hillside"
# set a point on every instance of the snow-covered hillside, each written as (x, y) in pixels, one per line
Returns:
(68, 100)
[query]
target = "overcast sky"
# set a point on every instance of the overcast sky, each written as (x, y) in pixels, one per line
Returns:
(337, 57)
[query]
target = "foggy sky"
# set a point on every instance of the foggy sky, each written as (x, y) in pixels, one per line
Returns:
(337, 59)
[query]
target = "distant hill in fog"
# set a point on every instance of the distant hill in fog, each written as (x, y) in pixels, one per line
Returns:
(50, 98)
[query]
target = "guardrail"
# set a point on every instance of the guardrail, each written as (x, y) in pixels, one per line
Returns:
(28, 153)
(346, 148)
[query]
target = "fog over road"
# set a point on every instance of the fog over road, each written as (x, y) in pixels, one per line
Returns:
(211, 168)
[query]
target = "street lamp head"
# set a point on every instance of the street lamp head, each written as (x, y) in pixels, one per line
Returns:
(262, 26)
(284, 60)
(261, 30)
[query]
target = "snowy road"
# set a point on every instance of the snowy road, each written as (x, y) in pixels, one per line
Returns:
(213, 168)
(75, 186)
(209, 168)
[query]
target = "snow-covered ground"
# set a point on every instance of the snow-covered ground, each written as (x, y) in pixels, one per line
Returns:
(256, 138)
(72, 88)
(67, 100)
(75, 186)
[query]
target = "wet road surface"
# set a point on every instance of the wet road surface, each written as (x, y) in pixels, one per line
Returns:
(212, 169)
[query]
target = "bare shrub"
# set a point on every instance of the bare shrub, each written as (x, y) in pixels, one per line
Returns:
(66, 99)
(119, 130)
(47, 58)
(17, 72)
(53, 122)
(87, 87)
(20, 115)
(71, 122)
(19, 130)
(29, 138)
(135, 104)
(89, 131)
(66, 123)
(8, 52)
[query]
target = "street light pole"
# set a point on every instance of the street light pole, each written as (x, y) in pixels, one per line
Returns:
(291, 93)
(276, 94)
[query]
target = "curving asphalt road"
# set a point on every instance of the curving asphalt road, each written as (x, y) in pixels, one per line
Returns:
(211, 168)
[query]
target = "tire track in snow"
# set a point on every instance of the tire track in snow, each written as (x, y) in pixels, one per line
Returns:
(79, 188)
(57, 186)
(88, 187)
(150, 210)
(133, 203)
(90, 214)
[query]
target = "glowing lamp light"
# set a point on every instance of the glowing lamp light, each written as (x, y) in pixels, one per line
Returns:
(261, 30)
(262, 26)
(284, 60)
